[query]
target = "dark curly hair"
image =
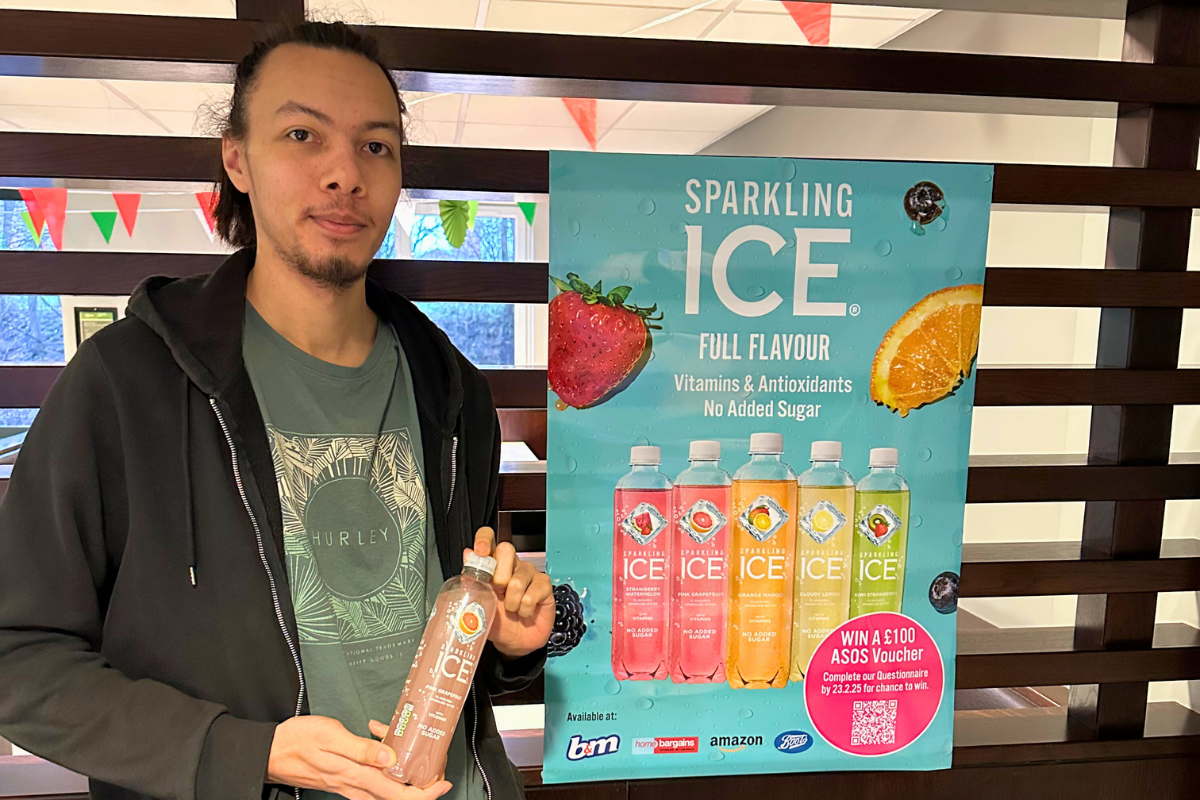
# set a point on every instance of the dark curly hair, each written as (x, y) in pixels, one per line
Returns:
(234, 216)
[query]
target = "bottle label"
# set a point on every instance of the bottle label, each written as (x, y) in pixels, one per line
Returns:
(702, 521)
(822, 521)
(763, 517)
(879, 525)
(644, 523)
(470, 624)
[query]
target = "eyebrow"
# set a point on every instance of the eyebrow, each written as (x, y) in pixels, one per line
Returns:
(293, 107)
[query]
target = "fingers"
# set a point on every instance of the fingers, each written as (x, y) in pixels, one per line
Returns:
(384, 788)
(485, 541)
(506, 563)
(526, 590)
(378, 729)
(368, 752)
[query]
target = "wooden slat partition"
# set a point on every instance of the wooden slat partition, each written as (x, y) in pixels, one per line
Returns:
(1112, 743)
(488, 170)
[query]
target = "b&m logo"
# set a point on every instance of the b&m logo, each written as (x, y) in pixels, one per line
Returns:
(793, 742)
(579, 749)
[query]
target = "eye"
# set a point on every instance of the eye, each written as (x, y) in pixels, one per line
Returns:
(303, 135)
(378, 148)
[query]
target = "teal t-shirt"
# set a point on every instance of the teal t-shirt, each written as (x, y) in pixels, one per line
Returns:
(361, 557)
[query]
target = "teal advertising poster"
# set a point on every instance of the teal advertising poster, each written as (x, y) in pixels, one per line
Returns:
(759, 414)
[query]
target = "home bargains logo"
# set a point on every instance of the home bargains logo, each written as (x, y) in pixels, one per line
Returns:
(666, 744)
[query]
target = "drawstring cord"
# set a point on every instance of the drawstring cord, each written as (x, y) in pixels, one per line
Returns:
(383, 417)
(187, 481)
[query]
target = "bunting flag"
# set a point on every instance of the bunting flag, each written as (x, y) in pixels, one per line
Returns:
(34, 212)
(127, 204)
(105, 220)
(584, 112)
(53, 205)
(813, 19)
(208, 208)
(33, 230)
(528, 209)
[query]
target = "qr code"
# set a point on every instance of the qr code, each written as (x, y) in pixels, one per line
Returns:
(874, 722)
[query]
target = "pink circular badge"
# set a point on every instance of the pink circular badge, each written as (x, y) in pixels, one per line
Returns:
(874, 684)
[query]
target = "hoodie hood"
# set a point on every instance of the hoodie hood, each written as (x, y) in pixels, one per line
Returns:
(200, 319)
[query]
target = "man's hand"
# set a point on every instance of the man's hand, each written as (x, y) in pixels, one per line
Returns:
(319, 753)
(525, 617)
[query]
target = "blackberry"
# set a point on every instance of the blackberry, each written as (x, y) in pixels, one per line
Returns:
(923, 204)
(569, 626)
(943, 593)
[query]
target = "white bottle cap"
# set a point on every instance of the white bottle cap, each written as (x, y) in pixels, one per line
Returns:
(482, 563)
(826, 451)
(766, 443)
(645, 455)
(704, 450)
(884, 457)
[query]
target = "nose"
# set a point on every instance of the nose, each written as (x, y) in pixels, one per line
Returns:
(342, 173)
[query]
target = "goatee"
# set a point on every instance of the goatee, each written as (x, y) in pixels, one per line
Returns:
(331, 272)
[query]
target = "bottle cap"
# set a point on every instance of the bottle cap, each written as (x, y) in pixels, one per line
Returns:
(704, 450)
(884, 457)
(766, 443)
(826, 451)
(645, 455)
(482, 563)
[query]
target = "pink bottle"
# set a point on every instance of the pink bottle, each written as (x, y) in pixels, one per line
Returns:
(440, 678)
(699, 559)
(641, 548)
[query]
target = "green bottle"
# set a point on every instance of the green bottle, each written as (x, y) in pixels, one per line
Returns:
(880, 537)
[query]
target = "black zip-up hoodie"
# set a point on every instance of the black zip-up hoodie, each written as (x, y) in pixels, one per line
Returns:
(147, 637)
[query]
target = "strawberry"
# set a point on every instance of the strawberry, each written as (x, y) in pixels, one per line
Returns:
(596, 340)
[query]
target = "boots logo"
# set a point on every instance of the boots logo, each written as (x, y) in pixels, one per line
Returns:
(579, 749)
(793, 742)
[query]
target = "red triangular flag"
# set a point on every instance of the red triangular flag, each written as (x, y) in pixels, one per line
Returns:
(35, 211)
(53, 203)
(584, 112)
(127, 204)
(813, 19)
(208, 205)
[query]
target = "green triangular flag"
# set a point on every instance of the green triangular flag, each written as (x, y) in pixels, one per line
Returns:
(528, 209)
(32, 230)
(105, 221)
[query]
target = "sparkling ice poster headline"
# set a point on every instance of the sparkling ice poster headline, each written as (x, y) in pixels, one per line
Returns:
(788, 610)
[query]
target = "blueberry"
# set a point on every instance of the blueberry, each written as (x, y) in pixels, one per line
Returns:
(943, 593)
(569, 626)
(923, 204)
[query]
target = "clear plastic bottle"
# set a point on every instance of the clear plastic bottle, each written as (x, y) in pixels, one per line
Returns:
(699, 558)
(440, 678)
(881, 536)
(762, 553)
(641, 549)
(824, 549)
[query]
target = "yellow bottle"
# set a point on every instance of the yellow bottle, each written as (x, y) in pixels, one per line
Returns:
(824, 553)
(761, 559)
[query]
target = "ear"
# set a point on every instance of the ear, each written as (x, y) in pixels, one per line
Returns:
(233, 156)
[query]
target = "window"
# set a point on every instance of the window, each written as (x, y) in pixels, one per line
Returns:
(489, 334)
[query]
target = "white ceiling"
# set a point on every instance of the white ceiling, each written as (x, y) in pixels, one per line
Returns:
(160, 108)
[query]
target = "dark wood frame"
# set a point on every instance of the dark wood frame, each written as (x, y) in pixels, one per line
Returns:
(1112, 742)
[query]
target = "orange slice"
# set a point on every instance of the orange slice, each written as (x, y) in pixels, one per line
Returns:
(929, 351)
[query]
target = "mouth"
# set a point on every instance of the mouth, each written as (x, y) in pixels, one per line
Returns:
(340, 226)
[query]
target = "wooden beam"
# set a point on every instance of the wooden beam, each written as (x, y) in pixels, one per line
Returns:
(1137, 436)
(47, 272)
(286, 11)
(500, 62)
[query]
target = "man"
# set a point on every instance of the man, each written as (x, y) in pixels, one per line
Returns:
(230, 518)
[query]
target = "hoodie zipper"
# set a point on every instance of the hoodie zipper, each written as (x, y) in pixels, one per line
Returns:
(262, 554)
(487, 785)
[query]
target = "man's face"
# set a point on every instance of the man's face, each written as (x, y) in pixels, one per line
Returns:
(321, 160)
